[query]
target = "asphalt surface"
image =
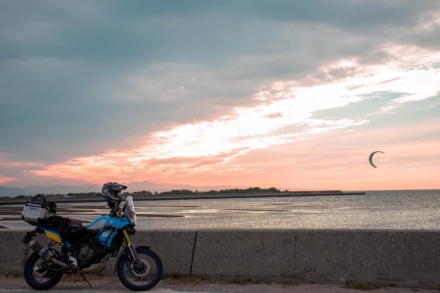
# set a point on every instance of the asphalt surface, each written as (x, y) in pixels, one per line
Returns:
(14, 284)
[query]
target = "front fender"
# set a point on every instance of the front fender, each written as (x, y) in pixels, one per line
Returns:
(124, 252)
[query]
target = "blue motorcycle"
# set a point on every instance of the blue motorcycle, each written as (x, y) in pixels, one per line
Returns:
(74, 249)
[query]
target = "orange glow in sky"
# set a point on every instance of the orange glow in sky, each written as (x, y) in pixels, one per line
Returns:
(279, 142)
(292, 96)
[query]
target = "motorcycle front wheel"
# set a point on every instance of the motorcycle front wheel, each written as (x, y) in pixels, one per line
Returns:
(38, 275)
(145, 275)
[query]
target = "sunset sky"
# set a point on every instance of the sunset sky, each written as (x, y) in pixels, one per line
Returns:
(241, 93)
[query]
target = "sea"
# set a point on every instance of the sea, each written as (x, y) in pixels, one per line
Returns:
(388, 209)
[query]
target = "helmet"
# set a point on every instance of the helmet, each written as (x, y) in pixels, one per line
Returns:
(111, 190)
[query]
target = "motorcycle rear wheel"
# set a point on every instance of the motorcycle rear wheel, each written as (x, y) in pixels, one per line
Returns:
(144, 277)
(38, 275)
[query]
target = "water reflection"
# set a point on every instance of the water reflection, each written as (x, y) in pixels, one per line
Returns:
(374, 210)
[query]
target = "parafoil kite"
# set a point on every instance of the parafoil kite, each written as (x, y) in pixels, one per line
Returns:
(371, 157)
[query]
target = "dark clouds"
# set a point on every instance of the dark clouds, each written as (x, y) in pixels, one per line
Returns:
(77, 77)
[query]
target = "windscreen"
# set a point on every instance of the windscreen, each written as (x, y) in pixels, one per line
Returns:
(129, 211)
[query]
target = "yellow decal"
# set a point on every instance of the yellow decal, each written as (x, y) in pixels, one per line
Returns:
(52, 235)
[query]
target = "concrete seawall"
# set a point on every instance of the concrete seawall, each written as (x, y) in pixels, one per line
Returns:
(404, 258)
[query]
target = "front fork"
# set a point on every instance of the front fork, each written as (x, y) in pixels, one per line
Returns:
(130, 249)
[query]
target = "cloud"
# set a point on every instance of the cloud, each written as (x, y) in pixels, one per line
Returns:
(100, 85)
(282, 114)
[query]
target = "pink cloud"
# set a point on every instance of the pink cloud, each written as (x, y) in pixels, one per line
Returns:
(279, 142)
(4, 179)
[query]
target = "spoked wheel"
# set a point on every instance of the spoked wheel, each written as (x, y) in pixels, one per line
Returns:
(145, 275)
(38, 275)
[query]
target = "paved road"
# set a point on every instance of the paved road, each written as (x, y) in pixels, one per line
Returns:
(112, 284)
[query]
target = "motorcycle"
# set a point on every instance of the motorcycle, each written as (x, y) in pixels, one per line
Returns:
(74, 249)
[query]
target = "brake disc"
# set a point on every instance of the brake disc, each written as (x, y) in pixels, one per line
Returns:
(142, 269)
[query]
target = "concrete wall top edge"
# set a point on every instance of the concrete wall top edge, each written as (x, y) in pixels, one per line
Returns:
(295, 230)
(270, 230)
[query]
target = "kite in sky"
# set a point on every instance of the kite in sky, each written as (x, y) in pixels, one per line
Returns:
(371, 157)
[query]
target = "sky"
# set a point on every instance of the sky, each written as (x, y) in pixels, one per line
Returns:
(244, 93)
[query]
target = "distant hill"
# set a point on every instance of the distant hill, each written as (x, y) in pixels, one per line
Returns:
(11, 191)
(167, 186)
(55, 189)
(6, 191)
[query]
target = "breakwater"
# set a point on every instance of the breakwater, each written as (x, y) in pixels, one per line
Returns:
(400, 257)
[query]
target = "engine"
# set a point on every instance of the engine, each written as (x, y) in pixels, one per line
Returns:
(87, 250)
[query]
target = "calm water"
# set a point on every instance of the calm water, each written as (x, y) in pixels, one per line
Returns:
(374, 210)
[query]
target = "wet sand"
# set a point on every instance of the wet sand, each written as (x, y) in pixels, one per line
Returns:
(15, 211)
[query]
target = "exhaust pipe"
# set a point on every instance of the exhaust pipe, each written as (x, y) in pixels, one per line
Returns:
(41, 251)
(46, 254)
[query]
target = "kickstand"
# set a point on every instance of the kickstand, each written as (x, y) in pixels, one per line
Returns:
(85, 279)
